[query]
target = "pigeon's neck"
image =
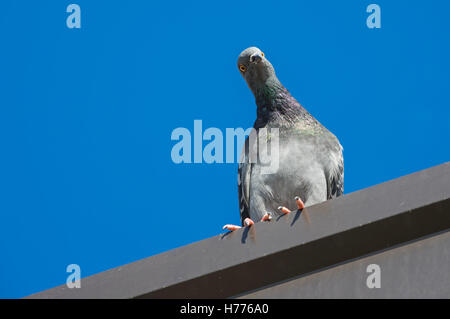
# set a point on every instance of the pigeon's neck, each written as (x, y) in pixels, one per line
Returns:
(276, 107)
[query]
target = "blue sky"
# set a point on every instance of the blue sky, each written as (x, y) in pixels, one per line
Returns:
(86, 115)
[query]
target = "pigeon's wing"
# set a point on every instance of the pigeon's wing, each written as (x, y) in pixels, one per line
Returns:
(244, 173)
(243, 186)
(335, 174)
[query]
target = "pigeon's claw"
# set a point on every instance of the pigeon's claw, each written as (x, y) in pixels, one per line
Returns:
(300, 204)
(267, 217)
(248, 222)
(231, 227)
(284, 210)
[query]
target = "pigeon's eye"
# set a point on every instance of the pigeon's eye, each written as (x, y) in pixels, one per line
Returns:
(243, 68)
(262, 53)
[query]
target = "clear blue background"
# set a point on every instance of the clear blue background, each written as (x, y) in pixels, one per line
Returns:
(86, 115)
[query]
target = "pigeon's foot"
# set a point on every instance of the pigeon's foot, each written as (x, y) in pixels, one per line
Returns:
(231, 227)
(300, 206)
(267, 217)
(284, 210)
(247, 222)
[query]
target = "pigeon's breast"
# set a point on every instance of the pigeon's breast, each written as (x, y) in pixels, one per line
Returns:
(299, 172)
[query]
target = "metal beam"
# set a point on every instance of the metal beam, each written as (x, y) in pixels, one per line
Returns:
(417, 270)
(351, 226)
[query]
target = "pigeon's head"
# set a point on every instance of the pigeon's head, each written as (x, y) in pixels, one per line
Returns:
(255, 68)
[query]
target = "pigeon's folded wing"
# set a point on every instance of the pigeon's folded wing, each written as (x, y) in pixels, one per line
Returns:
(335, 174)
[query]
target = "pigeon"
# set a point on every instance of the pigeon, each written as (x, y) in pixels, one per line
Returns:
(310, 166)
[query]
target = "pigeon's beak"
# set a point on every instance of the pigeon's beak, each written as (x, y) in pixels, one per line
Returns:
(255, 58)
